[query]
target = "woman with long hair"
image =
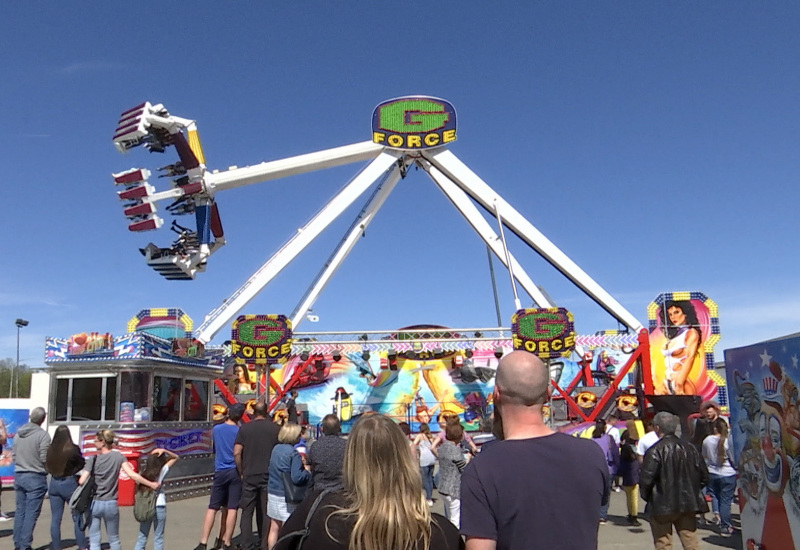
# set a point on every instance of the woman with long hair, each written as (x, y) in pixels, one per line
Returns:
(423, 442)
(284, 458)
(64, 461)
(611, 452)
(243, 382)
(158, 464)
(107, 464)
(682, 329)
(382, 504)
(718, 454)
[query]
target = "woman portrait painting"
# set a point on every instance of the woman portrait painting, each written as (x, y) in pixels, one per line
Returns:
(243, 384)
(677, 352)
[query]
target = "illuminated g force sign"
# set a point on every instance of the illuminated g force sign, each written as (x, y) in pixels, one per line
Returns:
(416, 122)
(546, 332)
(261, 339)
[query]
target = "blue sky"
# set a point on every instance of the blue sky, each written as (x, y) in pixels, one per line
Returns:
(655, 143)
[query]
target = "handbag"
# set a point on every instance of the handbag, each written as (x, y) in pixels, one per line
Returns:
(82, 497)
(304, 532)
(294, 494)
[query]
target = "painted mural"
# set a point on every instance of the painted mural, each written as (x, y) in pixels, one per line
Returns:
(10, 421)
(765, 424)
(409, 389)
(684, 327)
(412, 390)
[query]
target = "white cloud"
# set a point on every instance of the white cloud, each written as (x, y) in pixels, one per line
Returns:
(8, 299)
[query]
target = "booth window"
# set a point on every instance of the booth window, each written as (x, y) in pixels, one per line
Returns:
(85, 399)
(196, 400)
(134, 397)
(166, 399)
(62, 398)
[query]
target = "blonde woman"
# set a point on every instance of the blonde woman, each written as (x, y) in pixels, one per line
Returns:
(107, 464)
(284, 458)
(382, 504)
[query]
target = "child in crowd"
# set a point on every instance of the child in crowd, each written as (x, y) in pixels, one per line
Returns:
(629, 470)
(158, 464)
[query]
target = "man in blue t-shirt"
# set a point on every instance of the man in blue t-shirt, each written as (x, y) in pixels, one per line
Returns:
(535, 488)
(226, 489)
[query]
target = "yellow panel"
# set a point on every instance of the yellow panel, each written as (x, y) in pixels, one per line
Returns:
(652, 311)
(718, 379)
(158, 312)
(188, 324)
(132, 324)
(681, 296)
(194, 145)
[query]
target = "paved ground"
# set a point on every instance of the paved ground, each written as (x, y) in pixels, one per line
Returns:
(184, 518)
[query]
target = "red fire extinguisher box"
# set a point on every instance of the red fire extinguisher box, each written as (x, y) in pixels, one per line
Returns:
(127, 486)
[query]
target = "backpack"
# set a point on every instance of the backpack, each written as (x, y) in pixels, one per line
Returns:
(144, 505)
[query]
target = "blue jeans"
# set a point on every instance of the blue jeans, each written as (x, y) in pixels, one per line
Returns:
(604, 507)
(722, 489)
(61, 488)
(104, 510)
(158, 522)
(427, 480)
(30, 489)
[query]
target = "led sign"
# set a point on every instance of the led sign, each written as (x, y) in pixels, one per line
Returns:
(546, 332)
(415, 122)
(261, 339)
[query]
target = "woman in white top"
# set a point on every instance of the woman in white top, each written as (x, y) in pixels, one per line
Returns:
(427, 460)
(158, 464)
(718, 455)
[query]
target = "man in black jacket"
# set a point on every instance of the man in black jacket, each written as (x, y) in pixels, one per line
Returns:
(672, 474)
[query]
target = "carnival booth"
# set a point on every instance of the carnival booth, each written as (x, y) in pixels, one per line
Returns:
(153, 386)
(765, 424)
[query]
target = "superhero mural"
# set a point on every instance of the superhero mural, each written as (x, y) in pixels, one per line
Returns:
(412, 390)
(765, 424)
(409, 389)
(683, 330)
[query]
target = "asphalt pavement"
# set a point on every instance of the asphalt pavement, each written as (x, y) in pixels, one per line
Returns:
(185, 517)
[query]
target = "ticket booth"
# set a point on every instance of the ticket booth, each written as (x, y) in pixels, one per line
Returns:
(151, 395)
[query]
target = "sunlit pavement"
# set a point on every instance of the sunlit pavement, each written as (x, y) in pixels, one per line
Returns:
(185, 517)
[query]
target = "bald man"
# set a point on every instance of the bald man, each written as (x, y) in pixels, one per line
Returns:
(536, 488)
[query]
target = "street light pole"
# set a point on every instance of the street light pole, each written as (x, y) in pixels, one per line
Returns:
(20, 323)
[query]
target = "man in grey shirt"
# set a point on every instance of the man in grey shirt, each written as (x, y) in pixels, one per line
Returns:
(30, 476)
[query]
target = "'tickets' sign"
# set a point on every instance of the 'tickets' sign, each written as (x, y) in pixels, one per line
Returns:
(261, 339)
(415, 122)
(546, 332)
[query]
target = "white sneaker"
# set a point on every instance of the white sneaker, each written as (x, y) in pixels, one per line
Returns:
(430, 502)
(4, 517)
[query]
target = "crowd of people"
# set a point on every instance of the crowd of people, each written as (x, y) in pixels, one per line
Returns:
(36, 457)
(531, 487)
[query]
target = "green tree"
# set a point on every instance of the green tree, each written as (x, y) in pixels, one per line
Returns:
(22, 386)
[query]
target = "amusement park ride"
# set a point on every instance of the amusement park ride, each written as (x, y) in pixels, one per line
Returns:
(406, 132)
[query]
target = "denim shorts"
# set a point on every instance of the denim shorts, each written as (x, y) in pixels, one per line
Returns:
(226, 490)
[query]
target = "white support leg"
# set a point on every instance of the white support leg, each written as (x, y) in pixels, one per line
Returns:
(470, 212)
(473, 185)
(288, 252)
(362, 221)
